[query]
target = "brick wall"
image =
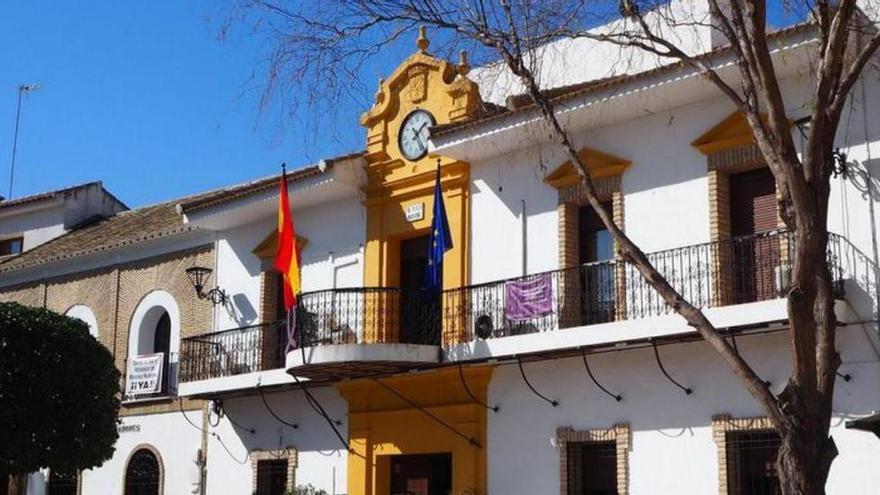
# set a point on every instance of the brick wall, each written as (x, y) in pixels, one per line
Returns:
(113, 294)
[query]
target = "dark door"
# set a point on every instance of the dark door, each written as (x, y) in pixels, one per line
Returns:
(429, 474)
(162, 343)
(596, 251)
(755, 254)
(419, 309)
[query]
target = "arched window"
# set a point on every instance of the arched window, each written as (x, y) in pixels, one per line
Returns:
(155, 328)
(85, 314)
(143, 474)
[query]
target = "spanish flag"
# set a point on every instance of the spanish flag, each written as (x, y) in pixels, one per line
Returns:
(287, 256)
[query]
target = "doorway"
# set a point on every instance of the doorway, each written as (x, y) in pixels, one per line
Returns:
(419, 308)
(425, 474)
(596, 250)
(755, 256)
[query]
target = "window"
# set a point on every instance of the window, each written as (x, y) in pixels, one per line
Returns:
(594, 462)
(62, 482)
(10, 246)
(592, 468)
(596, 248)
(272, 477)
(747, 449)
(751, 462)
(142, 475)
(273, 471)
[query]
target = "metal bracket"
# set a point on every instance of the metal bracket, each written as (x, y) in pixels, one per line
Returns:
(736, 349)
(274, 415)
(844, 376)
(522, 372)
(221, 411)
(471, 395)
(686, 390)
(471, 440)
(616, 397)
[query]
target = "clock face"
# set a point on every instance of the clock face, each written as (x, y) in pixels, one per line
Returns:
(413, 138)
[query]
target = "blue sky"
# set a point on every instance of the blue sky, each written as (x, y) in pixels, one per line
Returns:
(142, 96)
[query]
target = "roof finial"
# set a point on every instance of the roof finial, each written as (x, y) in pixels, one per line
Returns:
(422, 42)
(380, 95)
(463, 65)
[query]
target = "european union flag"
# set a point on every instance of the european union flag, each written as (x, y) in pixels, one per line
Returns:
(440, 240)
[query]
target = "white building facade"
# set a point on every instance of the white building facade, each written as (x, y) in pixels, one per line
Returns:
(545, 365)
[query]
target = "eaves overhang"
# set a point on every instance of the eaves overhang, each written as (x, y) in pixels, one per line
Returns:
(257, 200)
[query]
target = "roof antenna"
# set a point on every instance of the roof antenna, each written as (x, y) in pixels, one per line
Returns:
(22, 89)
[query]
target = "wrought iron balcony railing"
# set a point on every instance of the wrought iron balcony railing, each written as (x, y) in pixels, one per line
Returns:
(733, 271)
(368, 314)
(234, 351)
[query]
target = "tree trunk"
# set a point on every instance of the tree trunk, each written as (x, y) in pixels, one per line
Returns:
(18, 484)
(804, 459)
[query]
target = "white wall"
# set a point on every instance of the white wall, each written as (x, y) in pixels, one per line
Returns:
(322, 460)
(332, 258)
(36, 227)
(672, 447)
(666, 199)
(176, 441)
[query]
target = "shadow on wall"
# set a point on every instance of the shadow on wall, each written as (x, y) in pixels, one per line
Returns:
(313, 433)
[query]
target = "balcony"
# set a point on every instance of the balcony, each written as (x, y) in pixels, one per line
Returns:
(232, 352)
(402, 331)
(362, 331)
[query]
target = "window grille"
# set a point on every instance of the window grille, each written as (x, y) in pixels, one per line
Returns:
(592, 468)
(271, 477)
(751, 462)
(62, 482)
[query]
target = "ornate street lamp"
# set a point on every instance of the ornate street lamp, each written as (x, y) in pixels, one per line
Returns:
(198, 276)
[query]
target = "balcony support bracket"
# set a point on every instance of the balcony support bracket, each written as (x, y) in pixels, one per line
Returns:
(295, 426)
(686, 390)
(471, 394)
(471, 440)
(522, 372)
(614, 396)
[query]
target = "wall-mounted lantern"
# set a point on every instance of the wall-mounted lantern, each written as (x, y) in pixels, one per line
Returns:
(198, 276)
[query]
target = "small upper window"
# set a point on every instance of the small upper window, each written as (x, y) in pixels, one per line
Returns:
(12, 245)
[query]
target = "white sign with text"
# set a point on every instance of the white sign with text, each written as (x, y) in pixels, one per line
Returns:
(415, 212)
(144, 374)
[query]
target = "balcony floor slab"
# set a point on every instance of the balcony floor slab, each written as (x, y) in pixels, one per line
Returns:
(358, 360)
(619, 332)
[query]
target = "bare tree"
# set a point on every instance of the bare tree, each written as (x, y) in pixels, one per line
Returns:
(346, 33)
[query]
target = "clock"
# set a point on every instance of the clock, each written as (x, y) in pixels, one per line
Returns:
(413, 138)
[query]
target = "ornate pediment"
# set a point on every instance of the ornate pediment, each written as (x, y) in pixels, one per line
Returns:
(600, 164)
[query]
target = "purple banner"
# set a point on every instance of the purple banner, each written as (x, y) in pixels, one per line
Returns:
(528, 299)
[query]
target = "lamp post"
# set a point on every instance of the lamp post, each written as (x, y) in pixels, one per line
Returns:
(198, 276)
